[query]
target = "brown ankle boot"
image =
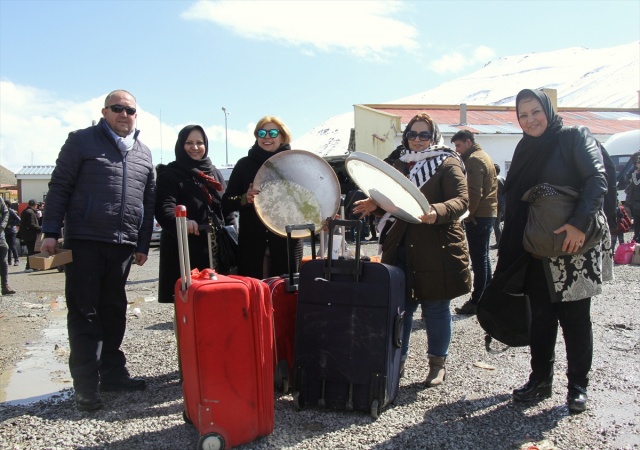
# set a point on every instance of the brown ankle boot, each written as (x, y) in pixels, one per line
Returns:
(437, 372)
(6, 290)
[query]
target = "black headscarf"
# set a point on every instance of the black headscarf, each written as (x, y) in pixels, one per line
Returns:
(183, 160)
(529, 159)
(200, 169)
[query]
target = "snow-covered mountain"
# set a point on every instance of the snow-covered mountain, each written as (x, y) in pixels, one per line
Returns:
(599, 78)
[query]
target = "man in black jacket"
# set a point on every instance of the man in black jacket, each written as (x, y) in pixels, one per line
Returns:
(103, 189)
(4, 248)
(29, 230)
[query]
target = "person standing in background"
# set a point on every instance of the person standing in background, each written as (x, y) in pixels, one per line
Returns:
(10, 232)
(103, 191)
(39, 212)
(29, 230)
(4, 248)
(352, 197)
(623, 224)
(497, 225)
(632, 202)
(483, 209)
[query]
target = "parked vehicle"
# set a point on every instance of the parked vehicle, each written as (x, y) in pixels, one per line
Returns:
(157, 230)
(621, 147)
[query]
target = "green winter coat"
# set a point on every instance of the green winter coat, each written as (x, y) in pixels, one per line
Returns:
(437, 254)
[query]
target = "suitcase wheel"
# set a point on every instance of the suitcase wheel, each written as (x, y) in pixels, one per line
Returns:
(285, 385)
(282, 377)
(186, 418)
(374, 409)
(211, 441)
(298, 399)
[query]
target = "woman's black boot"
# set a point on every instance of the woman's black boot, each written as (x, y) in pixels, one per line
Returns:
(533, 390)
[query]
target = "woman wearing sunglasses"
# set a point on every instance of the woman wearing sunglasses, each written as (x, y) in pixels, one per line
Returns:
(263, 254)
(433, 254)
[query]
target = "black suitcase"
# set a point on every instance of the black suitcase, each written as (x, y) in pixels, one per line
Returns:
(348, 332)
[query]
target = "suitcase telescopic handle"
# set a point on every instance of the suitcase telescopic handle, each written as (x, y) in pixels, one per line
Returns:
(292, 281)
(183, 246)
(356, 266)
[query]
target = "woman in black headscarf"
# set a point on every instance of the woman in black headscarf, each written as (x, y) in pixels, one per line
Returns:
(193, 181)
(262, 253)
(559, 288)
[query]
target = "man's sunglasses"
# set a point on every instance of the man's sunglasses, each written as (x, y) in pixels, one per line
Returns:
(272, 133)
(423, 136)
(119, 108)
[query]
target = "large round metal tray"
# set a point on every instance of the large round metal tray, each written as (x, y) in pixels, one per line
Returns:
(386, 186)
(296, 187)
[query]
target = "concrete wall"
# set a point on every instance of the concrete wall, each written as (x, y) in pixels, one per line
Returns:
(32, 188)
(379, 133)
(375, 131)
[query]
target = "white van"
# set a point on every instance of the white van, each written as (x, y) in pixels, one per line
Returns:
(621, 147)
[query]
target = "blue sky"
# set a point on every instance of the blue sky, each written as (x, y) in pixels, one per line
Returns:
(304, 61)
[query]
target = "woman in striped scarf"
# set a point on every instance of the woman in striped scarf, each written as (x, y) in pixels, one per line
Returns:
(433, 253)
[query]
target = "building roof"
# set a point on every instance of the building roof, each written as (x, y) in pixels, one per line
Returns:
(7, 178)
(36, 170)
(502, 119)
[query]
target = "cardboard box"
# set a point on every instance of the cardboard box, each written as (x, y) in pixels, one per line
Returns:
(42, 261)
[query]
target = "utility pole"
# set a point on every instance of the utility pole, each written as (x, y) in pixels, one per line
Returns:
(226, 142)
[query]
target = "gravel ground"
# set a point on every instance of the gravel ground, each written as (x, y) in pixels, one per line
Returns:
(473, 409)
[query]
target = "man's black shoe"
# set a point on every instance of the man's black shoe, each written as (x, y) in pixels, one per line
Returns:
(6, 290)
(123, 384)
(533, 390)
(577, 399)
(88, 401)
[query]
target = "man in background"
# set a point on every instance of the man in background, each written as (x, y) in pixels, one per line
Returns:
(102, 191)
(29, 230)
(483, 209)
(10, 232)
(4, 249)
(497, 226)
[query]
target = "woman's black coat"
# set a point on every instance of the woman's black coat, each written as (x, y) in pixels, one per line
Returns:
(176, 187)
(253, 236)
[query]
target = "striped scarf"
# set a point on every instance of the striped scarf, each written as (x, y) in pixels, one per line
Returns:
(427, 162)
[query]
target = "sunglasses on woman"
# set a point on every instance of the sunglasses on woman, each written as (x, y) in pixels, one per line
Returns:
(272, 133)
(423, 135)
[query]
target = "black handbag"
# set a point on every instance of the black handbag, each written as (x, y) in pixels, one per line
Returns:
(504, 313)
(549, 208)
(225, 247)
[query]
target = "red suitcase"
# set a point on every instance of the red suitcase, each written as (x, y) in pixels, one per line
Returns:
(284, 296)
(225, 338)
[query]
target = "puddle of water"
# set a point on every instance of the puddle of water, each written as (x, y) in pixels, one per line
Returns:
(43, 372)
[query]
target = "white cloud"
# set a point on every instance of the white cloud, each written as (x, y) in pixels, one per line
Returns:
(363, 28)
(34, 124)
(457, 61)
